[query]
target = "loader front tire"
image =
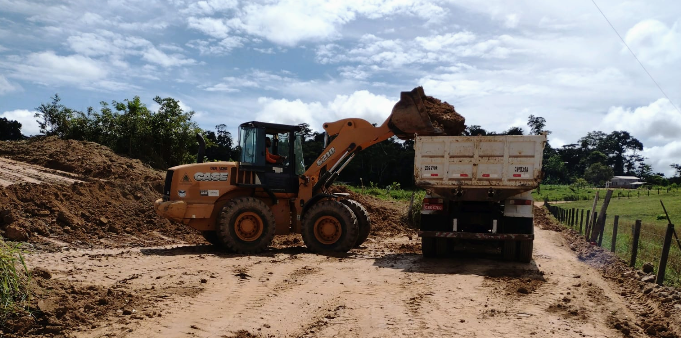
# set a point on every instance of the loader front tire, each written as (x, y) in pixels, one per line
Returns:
(213, 238)
(246, 225)
(330, 226)
(363, 220)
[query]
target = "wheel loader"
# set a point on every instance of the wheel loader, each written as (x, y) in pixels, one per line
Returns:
(241, 206)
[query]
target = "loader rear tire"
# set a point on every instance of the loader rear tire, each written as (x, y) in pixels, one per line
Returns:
(363, 220)
(525, 251)
(428, 247)
(213, 238)
(246, 225)
(330, 226)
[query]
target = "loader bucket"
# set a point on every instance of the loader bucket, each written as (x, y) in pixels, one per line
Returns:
(409, 116)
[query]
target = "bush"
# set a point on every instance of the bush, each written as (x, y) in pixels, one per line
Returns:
(14, 279)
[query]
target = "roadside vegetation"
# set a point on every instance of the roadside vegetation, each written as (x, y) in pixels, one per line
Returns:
(632, 205)
(14, 281)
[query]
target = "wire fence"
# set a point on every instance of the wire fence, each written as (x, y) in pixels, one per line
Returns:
(650, 246)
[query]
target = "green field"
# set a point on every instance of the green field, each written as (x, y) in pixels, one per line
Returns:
(629, 206)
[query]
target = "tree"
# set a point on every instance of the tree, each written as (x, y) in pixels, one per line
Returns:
(514, 131)
(219, 144)
(677, 168)
(537, 124)
(10, 130)
(474, 130)
(54, 118)
(597, 174)
(555, 171)
(618, 144)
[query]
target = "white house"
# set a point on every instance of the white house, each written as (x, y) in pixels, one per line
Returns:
(624, 182)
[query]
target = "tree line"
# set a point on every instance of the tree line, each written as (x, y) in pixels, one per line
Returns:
(166, 137)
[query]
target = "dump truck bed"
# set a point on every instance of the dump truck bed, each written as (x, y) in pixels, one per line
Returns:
(478, 167)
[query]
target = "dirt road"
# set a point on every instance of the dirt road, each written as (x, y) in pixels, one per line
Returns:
(384, 290)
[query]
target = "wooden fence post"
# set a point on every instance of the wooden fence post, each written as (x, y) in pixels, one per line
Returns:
(601, 230)
(613, 244)
(634, 245)
(570, 218)
(574, 216)
(581, 221)
(665, 254)
(586, 224)
(591, 226)
(600, 221)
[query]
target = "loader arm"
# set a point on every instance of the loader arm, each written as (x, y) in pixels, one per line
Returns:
(408, 118)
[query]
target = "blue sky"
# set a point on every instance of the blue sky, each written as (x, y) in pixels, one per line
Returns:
(313, 61)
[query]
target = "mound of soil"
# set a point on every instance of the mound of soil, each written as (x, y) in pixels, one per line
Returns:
(102, 214)
(388, 218)
(91, 160)
(60, 306)
(444, 116)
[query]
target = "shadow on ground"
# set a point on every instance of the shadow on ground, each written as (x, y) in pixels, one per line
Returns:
(203, 249)
(485, 265)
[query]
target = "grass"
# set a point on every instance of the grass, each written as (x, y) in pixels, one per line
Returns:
(14, 280)
(556, 192)
(648, 210)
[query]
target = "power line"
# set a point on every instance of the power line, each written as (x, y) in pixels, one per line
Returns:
(632, 53)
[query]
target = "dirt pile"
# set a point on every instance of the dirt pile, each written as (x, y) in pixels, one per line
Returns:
(59, 306)
(388, 218)
(91, 160)
(444, 116)
(104, 214)
(109, 205)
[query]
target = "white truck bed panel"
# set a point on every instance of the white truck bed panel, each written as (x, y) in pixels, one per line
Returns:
(501, 162)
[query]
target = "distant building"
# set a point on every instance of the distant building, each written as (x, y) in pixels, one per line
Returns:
(627, 182)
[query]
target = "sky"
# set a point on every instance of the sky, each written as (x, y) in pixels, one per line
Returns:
(313, 61)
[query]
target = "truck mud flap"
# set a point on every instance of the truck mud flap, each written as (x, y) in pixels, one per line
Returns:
(479, 236)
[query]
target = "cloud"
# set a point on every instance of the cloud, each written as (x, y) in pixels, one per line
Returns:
(654, 42)
(210, 6)
(209, 26)
(438, 42)
(511, 21)
(290, 22)
(7, 87)
(29, 125)
(360, 104)
(658, 122)
(232, 84)
(48, 68)
(159, 57)
(213, 47)
(660, 157)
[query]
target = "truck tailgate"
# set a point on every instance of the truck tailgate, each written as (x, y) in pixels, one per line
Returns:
(501, 162)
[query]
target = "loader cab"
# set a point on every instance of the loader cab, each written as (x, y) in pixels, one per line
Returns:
(285, 140)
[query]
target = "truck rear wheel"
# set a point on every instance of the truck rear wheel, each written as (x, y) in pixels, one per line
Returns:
(246, 225)
(441, 246)
(525, 251)
(428, 247)
(363, 220)
(508, 250)
(330, 226)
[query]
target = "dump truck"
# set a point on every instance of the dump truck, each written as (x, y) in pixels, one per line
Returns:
(478, 192)
(242, 205)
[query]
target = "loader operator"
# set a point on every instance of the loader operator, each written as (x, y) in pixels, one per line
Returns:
(272, 158)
